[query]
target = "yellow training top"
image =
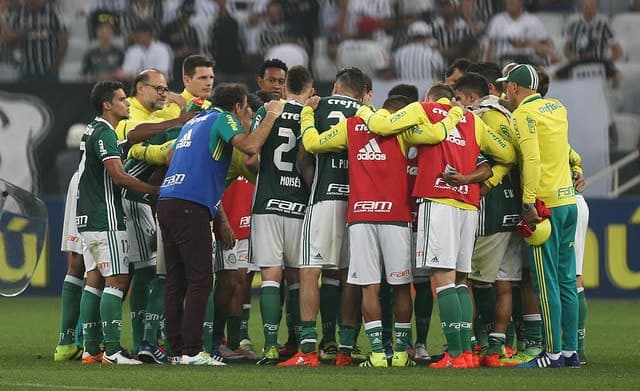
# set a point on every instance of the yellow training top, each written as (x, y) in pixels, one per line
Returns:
(137, 114)
(541, 133)
(499, 122)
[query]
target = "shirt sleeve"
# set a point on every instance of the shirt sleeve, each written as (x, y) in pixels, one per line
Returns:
(106, 146)
(260, 114)
(492, 144)
(152, 154)
(332, 140)
(227, 126)
(575, 160)
(412, 115)
(525, 128)
(498, 172)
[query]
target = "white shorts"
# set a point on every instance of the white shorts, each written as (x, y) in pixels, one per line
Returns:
(324, 236)
(582, 226)
(379, 248)
(71, 239)
(497, 257)
(231, 259)
(161, 266)
(445, 236)
(420, 274)
(275, 240)
(140, 229)
(108, 251)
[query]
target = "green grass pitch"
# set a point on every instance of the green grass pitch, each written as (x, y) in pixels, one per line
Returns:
(30, 328)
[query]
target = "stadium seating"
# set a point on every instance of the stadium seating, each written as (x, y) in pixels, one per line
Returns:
(627, 29)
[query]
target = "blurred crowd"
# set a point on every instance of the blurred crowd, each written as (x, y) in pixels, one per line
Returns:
(411, 39)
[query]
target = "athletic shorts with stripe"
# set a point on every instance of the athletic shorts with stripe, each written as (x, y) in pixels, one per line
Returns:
(445, 236)
(375, 249)
(420, 274)
(581, 231)
(230, 259)
(71, 239)
(108, 251)
(275, 241)
(325, 239)
(140, 229)
(498, 257)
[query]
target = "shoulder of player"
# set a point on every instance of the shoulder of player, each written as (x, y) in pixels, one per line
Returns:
(227, 120)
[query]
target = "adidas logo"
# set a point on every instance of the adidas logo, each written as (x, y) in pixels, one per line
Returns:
(318, 256)
(454, 137)
(185, 141)
(371, 151)
(353, 275)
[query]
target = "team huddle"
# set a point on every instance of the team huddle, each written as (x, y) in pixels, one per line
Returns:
(471, 194)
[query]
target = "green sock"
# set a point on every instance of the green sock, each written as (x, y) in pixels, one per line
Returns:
(244, 321)
(293, 313)
(466, 312)
(582, 320)
(271, 312)
(154, 313)
(386, 304)
(485, 296)
(329, 307)
(111, 315)
(207, 325)
(496, 343)
(90, 314)
(533, 333)
(138, 301)
(374, 333)
(402, 332)
(233, 332)
(515, 330)
(450, 317)
(71, 295)
(308, 336)
(220, 316)
(423, 307)
(347, 336)
(79, 336)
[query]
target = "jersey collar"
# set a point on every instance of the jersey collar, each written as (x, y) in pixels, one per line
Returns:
(530, 98)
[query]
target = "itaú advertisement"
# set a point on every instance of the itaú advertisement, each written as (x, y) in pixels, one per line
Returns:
(612, 249)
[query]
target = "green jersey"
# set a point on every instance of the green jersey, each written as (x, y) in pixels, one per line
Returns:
(331, 179)
(499, 209)
(280, 188)
(143, 170)
(99, 201)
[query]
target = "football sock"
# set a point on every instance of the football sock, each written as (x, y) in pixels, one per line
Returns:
(402, 332)
(347, 336)
(271, 312)
(423, 307)
(90, 314)
(485, 296)
(233, 332)
(386, 304)
(373, 330)
(111, 315)
(138, 300)
(244, 321)
(207, 325)
(582, 320)
(308, 336)
(155, 310)
(220, 315)
(496, 343)
(450, 317)
(71, 295)
(466, 312)
(329, 298)
(293, 313)
(533, 331)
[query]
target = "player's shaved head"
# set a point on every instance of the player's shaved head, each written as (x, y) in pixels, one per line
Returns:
(439, 91)
(395, 102)
(408, 90)
(299, 80)
(351, 81)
